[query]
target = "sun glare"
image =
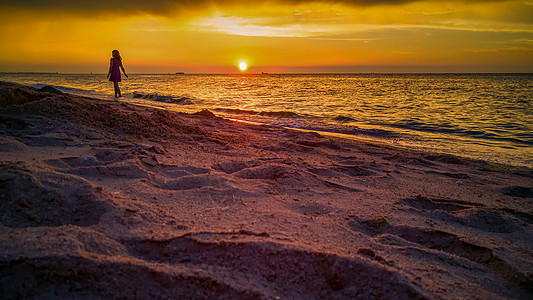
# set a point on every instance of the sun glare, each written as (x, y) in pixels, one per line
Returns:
(243, 66)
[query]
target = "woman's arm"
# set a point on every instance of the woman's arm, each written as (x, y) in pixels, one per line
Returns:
(123, 71)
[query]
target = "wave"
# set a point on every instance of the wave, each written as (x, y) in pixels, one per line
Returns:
(520, 138)
(279, 114)
(350, 130)
(291, 119)
(284, 114)
(343, 119)
(183, 100)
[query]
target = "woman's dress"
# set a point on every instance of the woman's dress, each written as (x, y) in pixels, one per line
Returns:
(115, 71)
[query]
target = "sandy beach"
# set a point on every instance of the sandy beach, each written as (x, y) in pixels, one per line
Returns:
(102, 199)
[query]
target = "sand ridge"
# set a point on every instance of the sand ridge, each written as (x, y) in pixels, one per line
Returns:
(103, 199)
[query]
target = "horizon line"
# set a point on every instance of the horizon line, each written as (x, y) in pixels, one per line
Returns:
(261, 73)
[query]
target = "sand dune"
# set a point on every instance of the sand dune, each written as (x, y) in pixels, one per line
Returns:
(103, 199)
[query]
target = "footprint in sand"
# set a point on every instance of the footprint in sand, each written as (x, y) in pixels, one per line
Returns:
(467, 214)
(436, 240)
(423, 203)
(172, 171)
(33, 197)
(268, 265)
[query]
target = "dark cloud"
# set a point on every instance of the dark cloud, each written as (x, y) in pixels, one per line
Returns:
(100, 6)
(163, 7)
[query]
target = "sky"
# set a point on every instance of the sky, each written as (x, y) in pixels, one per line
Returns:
(293, 36)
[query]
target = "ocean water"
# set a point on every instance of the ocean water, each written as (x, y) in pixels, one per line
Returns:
(481, 116)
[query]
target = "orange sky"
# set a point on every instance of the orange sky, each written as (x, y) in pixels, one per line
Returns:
(272, 36)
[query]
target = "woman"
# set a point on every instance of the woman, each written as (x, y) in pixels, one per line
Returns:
(114, 71)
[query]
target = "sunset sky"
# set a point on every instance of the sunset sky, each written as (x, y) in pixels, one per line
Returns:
(271, 36)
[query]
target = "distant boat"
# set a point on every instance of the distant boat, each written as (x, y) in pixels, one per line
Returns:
(180, 73)
(263, 73)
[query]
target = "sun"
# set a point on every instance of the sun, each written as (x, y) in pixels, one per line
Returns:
(243, 66)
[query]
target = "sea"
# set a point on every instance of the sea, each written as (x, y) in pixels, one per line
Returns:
(479, 116)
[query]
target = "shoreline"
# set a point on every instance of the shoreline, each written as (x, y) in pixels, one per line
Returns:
(501, 140)
(106, 199)
(362, 137)
(496, 140)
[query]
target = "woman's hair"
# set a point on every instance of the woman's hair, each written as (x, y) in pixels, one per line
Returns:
(116, 55)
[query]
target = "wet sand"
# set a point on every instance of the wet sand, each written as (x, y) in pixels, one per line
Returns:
(101, 199)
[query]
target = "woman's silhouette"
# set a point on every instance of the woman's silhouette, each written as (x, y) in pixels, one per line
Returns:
(114, 71)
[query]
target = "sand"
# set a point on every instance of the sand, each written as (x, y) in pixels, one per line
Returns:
(102, 199)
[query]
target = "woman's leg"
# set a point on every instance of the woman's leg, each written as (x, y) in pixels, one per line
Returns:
(117, 89)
